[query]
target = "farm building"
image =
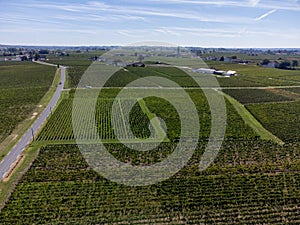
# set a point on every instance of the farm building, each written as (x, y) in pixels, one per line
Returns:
(228, 73)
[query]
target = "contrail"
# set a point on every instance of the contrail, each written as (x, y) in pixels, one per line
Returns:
(254, 2)
(265, 15)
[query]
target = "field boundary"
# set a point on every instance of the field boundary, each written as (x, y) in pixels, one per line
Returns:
(252, 121)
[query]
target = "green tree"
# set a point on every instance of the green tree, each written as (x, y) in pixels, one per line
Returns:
(284, 65)
(295, 63)
(265, 62)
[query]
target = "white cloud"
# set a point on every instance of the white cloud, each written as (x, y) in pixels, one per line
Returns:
(254, 2)
(265, 15)
(291, 5)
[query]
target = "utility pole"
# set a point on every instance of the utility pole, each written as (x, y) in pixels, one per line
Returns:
(32, 134)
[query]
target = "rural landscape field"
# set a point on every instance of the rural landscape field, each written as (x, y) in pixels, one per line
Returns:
(150, 112)
(253, 180)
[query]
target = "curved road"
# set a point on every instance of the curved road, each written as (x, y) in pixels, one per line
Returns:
(16, 151)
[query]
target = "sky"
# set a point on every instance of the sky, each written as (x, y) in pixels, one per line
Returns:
(203, 23)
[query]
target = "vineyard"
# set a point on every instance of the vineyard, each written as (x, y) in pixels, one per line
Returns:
(255, 76)
(247, 96)
(22, 86)
(76, 68)
(242, 187)
(280, 118)
(123, 77)
(252, 181)
(59, 127)
(55, 130)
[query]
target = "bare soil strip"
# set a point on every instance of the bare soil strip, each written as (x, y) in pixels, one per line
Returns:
(13, 167)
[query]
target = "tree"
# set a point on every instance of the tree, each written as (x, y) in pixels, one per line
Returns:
(265, 62)
(295, 63)
(141, 58)
(222, 58)
(24, 58)
(284, 65)
(44, 52)
(36, 57)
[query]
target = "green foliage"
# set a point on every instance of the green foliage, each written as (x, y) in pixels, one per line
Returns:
(255, 76)
(251, 181)
(25, 75)
(248, 183)
(59, 126)
(281, 119)
(125, 76)
(22, 85)
(76, 69)
(265, 62)
(246, 96)
(56, 130)
(284, 65)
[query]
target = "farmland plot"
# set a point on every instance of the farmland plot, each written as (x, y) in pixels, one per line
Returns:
(281, 119)
(22, 86)
(56, 130)
(60, 188)
(59, 127)
(247, 96)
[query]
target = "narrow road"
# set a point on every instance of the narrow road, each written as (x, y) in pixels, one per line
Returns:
(16, 151)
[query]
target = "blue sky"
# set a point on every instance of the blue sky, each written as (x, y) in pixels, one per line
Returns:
(205, 23)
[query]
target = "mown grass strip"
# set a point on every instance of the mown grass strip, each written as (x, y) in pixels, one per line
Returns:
(159, 131)
(252, 121)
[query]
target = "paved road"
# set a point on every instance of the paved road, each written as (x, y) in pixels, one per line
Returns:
(16, 151)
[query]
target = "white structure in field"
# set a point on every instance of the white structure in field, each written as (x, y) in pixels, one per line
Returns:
(204, 70)
(228, 73)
